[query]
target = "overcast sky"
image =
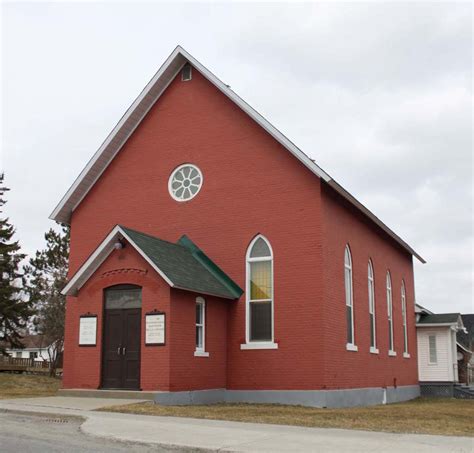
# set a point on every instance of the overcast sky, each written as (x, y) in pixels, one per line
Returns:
(380, 95)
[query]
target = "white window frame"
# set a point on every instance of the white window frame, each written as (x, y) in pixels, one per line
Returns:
(435, 350)
(371, 294)
(391, 350)
(350, 346)
(172, 175)
(406, 354)
(201, 351)
(248, 260)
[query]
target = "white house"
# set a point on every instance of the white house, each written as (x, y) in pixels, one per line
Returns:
(35, 347)
(437, 351)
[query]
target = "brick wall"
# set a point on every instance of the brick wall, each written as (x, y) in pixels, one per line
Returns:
(82, 365)
(343, 225)
(251, 185)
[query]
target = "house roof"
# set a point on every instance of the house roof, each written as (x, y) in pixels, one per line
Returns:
(439, 318)
(182, 265)
(29, 342)
(137, 112)
(466, 338)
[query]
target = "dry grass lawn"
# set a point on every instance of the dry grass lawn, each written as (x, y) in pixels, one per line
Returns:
(24, 386)
(422, 416)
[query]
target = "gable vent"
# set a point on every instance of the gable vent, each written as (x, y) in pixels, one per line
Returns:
(186, 73)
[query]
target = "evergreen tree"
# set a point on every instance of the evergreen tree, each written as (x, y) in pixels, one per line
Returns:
(46, 276)
(14, 311)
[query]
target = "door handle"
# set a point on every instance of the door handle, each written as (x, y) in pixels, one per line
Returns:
(124, 350)
(118, 350)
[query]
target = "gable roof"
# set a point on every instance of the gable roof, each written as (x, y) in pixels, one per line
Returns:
(145, 101)
(29, 342)
(440, 319)
(182, 265)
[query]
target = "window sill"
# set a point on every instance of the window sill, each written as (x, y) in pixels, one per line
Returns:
(261, 345)
(351, 347)
(374, 350)
(392, 353)
(201, 354)
(406, 355)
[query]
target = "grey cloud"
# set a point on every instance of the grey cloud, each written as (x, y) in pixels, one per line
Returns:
(379, 94)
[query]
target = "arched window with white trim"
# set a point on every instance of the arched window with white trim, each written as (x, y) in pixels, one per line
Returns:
(371, 289)
(348, 286)
(404, 318)
(390, 315)
(259, 290)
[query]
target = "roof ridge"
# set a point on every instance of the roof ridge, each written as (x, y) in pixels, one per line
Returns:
(210, 266)
(149, 235)
(140, 108)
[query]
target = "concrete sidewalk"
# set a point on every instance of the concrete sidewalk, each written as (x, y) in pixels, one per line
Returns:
(210, 435)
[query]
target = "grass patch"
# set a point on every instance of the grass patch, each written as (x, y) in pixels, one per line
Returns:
(443, 416)
(24, 385)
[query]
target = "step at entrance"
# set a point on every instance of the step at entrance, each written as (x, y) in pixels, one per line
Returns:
(123, 394)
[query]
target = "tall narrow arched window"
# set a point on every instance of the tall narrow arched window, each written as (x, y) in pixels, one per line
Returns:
(371, 289)
(349, 299)
(390, 315)
(259, 307)
(404, 319)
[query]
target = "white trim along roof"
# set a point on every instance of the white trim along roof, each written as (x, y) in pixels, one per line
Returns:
(138, 110)
(98, 257)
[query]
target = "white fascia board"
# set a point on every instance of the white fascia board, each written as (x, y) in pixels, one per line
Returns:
(441, 324)
(58, 214)
(259, 119)
(463, 347)
(177, 59)
(141, 106)
(99, 255)
(204, 293)
(147, 259)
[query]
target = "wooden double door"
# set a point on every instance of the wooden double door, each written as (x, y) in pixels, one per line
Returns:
(121, 339)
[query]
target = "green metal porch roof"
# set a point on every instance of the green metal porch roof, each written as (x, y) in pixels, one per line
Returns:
(185, 265)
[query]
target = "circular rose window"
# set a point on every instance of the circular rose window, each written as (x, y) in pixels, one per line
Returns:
(185, 182)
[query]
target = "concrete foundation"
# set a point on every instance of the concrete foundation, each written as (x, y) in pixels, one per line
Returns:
(311, 398)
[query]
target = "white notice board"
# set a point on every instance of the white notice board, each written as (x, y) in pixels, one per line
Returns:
(88, 330)
(155, 325)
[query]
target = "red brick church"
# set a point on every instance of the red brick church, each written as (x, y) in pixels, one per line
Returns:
(212, 260)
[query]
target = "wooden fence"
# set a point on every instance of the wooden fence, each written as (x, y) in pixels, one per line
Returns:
(19, 364)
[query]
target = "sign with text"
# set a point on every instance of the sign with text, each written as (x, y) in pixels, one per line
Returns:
(155, 329)
(88, 330)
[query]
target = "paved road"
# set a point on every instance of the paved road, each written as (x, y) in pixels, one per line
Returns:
(114, 432)
(58, 434)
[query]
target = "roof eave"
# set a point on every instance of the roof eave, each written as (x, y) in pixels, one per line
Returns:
(141, 106)
(345, 194)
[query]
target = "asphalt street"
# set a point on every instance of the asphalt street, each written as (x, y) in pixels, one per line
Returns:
(57, 434)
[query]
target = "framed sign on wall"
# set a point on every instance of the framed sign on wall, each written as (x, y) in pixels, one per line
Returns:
(155, 326)
(88, 330)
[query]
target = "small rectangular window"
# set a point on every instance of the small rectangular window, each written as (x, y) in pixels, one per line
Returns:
(200, 324)
(186, 73)
(33, 355)
(432, 345)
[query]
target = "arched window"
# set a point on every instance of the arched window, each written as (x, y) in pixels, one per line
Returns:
(371, 288)
(390, 315)
(259, 285)
(349, 298)
(404, 318)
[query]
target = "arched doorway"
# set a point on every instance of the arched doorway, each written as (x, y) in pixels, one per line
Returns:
(121, 337)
